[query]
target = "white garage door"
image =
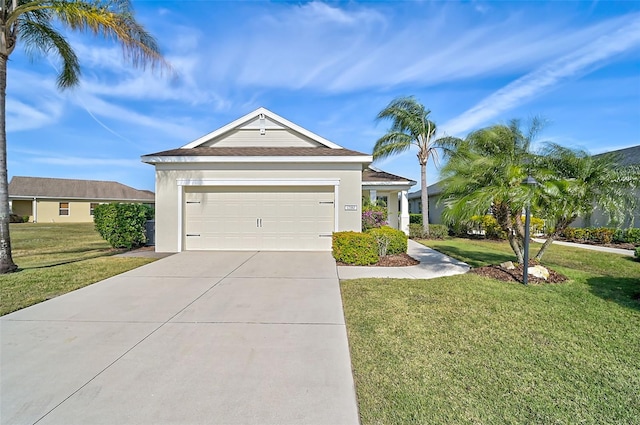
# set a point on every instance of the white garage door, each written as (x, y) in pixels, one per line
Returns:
(279, 218)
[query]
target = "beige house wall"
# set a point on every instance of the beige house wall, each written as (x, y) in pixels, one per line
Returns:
(22, 208)
(48, 211)
(169, 210)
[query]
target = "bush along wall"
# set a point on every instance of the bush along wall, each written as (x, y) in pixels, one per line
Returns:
(122, 225)
(355, 248)
(602, 235)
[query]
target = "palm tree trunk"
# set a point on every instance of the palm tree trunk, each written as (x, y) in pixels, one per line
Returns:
(6, 261)
(424, 198)
(560, 227)
(547, 243)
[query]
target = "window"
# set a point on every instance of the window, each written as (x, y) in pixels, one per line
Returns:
(64, 208)
(92, 207)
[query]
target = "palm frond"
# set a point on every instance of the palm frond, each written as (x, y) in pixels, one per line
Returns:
(40, 36)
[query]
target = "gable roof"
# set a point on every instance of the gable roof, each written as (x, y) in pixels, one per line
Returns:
(42, 187)
(373, 175)
(259, 136)
(271, 120)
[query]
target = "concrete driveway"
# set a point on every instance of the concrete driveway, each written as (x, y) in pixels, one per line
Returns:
(195, 338)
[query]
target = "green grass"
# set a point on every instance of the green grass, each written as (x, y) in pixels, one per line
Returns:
(469, 349)
(55, 259)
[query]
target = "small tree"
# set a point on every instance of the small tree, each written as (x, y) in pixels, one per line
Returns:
(485, 173)
(573, 182)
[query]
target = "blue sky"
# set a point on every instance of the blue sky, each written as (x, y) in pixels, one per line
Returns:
(331, 67)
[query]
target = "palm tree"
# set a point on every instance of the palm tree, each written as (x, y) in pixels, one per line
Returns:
(573, 182)
(485, 173)
(410, 126)
(31, 22)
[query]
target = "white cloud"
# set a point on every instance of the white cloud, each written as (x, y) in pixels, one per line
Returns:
(349, 48)
(582, 60)
(164, 125)
(21, 116)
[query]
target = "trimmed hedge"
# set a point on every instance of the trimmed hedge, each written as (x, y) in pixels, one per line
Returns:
(397, 239)
(415, 218)
(637, 253)
(356, 248)
(122, 225)
(436, 231)
(631, 235)
(603, 235)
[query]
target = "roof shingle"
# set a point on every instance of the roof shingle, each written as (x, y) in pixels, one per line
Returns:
(76, 189)
(258, 151)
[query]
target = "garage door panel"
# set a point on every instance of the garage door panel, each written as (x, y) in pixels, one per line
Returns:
(282, 218)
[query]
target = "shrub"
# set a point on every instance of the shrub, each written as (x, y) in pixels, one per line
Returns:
(536, 225)
(15, 218)
(489, 225)
(415, 231)
(415, 218)
(356, 248)
(458, 229)
(438, 231)
(602, 235)
(632, 235)
(122, 225)
(397, 239)
(637, 253)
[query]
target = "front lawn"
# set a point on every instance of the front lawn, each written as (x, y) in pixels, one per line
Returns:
(468, 349)
(57, 258)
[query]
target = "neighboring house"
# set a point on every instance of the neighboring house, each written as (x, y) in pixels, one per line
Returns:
(261, 183)
(626, 157)
(67, 200)
(435, 210)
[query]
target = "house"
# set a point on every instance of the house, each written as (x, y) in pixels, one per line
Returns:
(435, 210)
(262, 182)
(67, 200)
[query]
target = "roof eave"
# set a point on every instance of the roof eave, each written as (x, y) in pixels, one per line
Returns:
(158, 159)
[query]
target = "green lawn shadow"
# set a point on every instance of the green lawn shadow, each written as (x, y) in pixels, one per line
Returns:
(624, 291)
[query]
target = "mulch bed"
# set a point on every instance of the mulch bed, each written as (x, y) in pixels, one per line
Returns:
(399, 260)
(515, 275)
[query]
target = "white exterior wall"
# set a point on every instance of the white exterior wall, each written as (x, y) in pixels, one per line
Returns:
(170, 202)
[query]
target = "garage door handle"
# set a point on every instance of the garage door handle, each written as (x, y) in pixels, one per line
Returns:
(326, 202)
(325, 236)
(193, 202)
(258, 222)
(193, 234)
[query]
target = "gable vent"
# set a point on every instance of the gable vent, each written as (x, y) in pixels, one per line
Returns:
(262, 125)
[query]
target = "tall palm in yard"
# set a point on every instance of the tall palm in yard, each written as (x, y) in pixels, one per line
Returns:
(32, 23)
(410, 126)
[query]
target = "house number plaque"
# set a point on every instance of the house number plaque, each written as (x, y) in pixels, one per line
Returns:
(351, 207)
